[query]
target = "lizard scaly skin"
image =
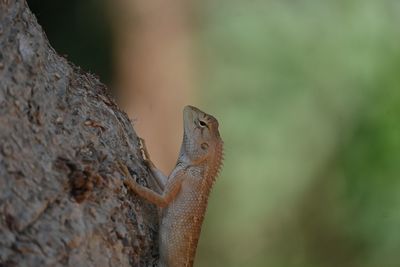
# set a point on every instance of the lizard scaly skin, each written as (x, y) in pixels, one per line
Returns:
(185, 192)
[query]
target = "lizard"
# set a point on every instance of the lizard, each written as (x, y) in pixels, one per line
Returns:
(184, 193)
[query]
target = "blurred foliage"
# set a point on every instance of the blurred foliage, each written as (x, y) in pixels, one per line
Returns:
(308, 95)
(80, 31)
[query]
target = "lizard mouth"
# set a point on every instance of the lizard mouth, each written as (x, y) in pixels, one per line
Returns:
(188, 116)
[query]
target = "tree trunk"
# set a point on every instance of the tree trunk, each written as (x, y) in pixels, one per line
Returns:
(62, 200)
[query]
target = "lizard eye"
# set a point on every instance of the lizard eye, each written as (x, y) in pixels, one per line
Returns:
(204, 146)
(202, 123)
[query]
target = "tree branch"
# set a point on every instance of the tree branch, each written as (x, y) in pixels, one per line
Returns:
(62, 200)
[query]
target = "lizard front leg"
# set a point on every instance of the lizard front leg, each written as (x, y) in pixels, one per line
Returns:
(162, 200)
(161, 179)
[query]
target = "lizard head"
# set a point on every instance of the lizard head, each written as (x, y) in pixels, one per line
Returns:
(201, 138)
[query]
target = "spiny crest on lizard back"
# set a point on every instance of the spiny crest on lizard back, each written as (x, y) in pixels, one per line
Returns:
(201, 139)
(215, 167)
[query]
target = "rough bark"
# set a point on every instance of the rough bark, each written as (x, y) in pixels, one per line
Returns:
(62, 200)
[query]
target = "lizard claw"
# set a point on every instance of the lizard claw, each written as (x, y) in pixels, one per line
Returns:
(122, 167)
(145, 153)
(128, 181)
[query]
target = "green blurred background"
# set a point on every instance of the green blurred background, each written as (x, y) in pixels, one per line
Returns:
(308, 95)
